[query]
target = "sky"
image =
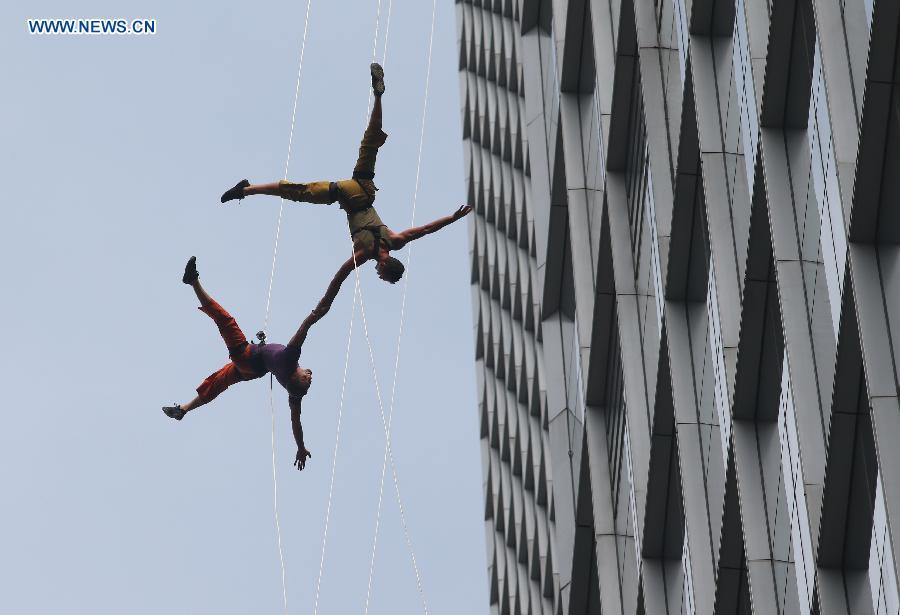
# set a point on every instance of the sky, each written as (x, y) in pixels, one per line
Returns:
(115, 150)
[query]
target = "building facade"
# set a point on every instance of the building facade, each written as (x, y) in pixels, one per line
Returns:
(686, 299)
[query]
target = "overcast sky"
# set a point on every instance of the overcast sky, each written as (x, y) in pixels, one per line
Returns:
(115, 150)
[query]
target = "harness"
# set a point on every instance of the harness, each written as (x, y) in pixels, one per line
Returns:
(334, 192)
(370, 177)
(377, 237)
(253, 363)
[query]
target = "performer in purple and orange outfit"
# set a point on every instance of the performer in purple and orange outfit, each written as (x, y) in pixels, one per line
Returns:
(251, 361)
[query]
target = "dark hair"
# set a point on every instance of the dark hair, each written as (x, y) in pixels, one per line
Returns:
(298, 389)
(392, 269)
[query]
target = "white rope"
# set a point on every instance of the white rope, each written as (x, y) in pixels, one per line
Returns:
(287, 163)
(389, 423)
(387, 32)
(356, 296)
(391, 412)
(387, 444)
(275, 492)
(334, 454)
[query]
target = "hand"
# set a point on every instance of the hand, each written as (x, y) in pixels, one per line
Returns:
(302, 454)
(462, 212)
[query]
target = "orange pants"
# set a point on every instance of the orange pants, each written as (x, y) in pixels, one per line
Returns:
(241, 366)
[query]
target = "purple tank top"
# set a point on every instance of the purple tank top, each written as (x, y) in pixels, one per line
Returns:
(280, 360)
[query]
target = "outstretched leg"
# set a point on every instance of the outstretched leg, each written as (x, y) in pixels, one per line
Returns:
(374, 137)
(178, 411)
(208, 390)
(231, 333)
(234, 339)
(320, 192)
(324, 192)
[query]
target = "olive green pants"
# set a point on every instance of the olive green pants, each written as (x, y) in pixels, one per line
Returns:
(352, 194)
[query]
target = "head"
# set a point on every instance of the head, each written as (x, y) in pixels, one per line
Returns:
(300, 382)
(390, 269)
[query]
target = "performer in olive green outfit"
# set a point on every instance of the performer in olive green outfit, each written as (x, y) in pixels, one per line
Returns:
(372, 239)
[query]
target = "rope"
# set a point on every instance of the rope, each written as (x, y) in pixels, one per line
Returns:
(275, 483)
(287, 163)
(389, 423)
(390, 417)
(265, 329)
(356, 296)
(387, 444)
(387, 32)
(334, 454)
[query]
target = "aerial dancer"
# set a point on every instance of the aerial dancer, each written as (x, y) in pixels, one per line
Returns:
(251, 361)
(372, 239)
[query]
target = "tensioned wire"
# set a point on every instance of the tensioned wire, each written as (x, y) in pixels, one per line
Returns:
(337, 436)
(334, 454)
(389, 423)
(287, 163)
(388, 448)
(357, 296)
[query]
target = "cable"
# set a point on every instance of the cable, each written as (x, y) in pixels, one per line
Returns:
(387, 33)
(334, 455)
(390, 454)
(356, 296)
(275, 483)
(389, 423)
(287, 163)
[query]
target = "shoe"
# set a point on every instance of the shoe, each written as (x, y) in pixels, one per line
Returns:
(238, 191)
(377, 78)
(174, 412)
(190, 271)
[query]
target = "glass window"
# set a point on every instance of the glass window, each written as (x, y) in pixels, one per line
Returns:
(833, 239)
(801, 544)
(718, 361)
(744, 82)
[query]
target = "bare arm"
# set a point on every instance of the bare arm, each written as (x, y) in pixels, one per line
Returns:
(325, 303)
(416, 232)
(297, 428)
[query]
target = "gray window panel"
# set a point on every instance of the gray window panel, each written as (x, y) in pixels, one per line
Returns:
(801, 545)
(717, 359)
(636, 175)
(876, 552)
(657, 282)
(674, 585)
(833, 240)
(882, 577)
(681, 29)
(744, 83)
(688, 589)
(597, 124)
(632, 508)
(706, 409)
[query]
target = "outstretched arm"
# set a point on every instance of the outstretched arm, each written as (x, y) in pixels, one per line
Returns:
(325, 303)
(297, 428)
(416, 232)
